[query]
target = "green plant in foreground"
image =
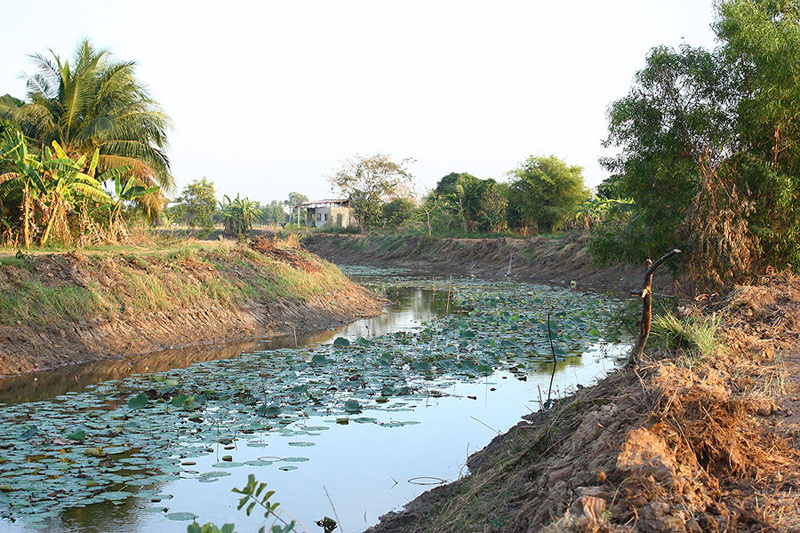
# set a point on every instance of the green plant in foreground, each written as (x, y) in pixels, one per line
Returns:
(694, 337)
(252, 495)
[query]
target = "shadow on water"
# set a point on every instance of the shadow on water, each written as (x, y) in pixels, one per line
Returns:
(408, 308)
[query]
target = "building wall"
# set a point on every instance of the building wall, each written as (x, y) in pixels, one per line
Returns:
(342, 217)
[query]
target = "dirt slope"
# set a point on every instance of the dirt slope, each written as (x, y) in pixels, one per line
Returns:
(680, 444)
(559, 260)
(67, 308)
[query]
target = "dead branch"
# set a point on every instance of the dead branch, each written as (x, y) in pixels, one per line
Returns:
(646, 294)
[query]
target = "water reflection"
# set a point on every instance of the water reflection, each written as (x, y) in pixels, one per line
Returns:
(409, 307)
(364, 467)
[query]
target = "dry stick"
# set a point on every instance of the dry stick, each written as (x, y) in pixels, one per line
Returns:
(338, 521)
(508, 272)
(553, 351)
(646, 294)
(541, 403)
(487, 425)
(294, 329)
(449, 290)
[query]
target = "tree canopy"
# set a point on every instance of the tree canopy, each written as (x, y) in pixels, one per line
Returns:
(369, 181)
(544, 192)
(709, 148)
(197, 203)
(92, 102)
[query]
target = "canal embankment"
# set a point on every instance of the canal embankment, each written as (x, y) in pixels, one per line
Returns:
(66, 308)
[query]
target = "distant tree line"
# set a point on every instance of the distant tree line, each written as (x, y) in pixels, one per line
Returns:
(542, 195)
(197, 208)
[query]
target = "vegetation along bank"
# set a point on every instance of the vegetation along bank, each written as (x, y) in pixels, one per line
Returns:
(562, 259)
(66, 308)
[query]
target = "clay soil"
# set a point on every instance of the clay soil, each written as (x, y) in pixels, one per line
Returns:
(145, 303)
(680, 443)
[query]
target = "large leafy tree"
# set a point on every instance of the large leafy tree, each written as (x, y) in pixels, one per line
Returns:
(293, 202)
(368, 182)
(544, 192)
(197, 204)
(709, 146)
(93, 102)
(474, 203)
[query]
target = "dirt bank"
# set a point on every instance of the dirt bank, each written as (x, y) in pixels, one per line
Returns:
(559, 260)
(684, 443)
(69, 308)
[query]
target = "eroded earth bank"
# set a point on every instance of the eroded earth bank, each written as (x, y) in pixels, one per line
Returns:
(69, 308)
(703, 436)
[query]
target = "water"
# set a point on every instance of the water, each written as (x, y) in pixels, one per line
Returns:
(409, 307)
(362, 469)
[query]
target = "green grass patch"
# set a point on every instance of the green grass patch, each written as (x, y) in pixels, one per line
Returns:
(33, 302)
(694, 339)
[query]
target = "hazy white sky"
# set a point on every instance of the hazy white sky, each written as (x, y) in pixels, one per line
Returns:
(268, 97)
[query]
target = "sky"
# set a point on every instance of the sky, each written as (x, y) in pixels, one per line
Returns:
(269, 97)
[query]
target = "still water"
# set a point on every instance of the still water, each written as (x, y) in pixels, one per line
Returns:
(353, 464)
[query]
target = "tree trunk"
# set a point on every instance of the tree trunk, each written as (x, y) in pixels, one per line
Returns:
(53, 214)
(646, 294)
(26, 216)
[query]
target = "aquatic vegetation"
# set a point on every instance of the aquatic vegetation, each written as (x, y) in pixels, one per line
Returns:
(119, 441)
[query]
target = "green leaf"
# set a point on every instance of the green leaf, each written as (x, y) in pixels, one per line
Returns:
(138, 401)
(79, 435)
(180, 517)
(352, 406)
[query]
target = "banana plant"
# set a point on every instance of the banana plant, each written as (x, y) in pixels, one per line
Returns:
(238, 214)
(66, 183)
(125, 191)
(14, 151)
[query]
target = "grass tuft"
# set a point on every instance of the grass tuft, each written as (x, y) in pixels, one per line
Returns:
(694, 338)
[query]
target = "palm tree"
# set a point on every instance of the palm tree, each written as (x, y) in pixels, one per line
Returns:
(96, 103)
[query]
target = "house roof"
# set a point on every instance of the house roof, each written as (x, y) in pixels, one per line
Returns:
(344, 202)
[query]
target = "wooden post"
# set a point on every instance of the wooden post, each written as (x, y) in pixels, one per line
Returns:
(646, 294)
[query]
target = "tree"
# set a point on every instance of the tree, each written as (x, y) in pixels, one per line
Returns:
(51, 184)
(368, 182)
(461, 195)
(273, 213)
(93, 103)
(197, 204)
(126, 192)
(544, 192)
(293, 202)
(709, 146)
(472, 203)
(397, 212)
(238, 215)
(493, 206)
